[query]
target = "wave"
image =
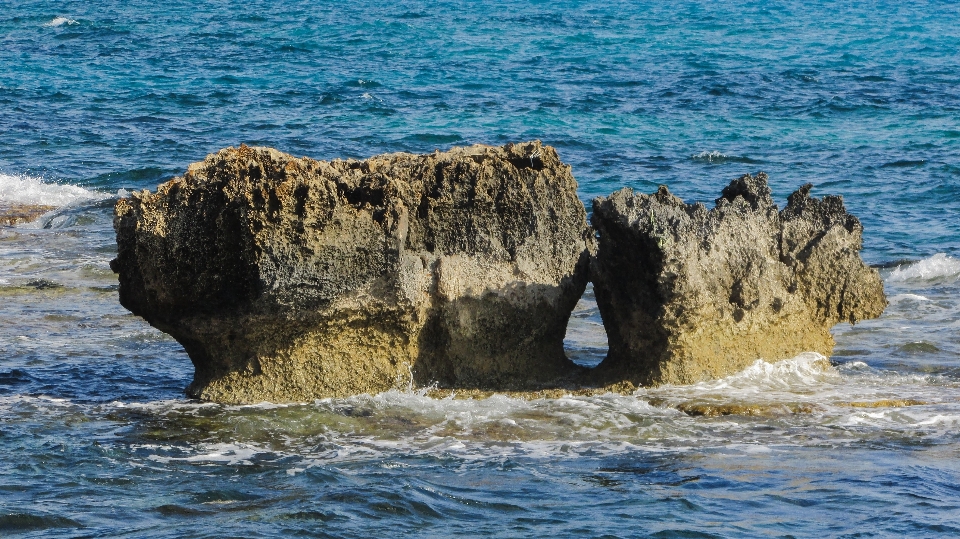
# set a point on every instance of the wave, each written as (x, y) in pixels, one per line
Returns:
(28, 190)
(836, 404)
(26, 522)
(717, 157)
(938, 266)
(904, 163)
(800, 373)
(60, 21)
(907, 297)
(225, 453)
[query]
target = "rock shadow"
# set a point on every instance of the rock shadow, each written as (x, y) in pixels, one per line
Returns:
(511, 339)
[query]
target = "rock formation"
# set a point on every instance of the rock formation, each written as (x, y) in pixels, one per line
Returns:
(14, 214)
(687, 293)
(292, 279)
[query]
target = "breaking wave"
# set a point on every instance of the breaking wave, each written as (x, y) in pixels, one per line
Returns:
(938, 266)
(34, 191)
(60, 21)
(717, 157)
(806, 370)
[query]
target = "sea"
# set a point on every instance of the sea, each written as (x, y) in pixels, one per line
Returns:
(862, 99)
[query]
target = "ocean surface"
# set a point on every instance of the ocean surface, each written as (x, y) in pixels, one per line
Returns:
(99, 98)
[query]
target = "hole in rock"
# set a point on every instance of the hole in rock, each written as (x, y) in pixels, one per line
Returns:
(586, 341)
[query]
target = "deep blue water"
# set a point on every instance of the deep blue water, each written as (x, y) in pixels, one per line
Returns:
(861, 99)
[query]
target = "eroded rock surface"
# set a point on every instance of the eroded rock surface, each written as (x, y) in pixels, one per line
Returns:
(292, 279)
(688, 293)
(14, 214)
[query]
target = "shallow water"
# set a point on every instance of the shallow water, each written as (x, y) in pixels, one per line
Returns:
(97, 438)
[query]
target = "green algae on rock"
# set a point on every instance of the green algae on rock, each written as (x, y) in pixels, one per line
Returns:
(291, 279)
(687, 294)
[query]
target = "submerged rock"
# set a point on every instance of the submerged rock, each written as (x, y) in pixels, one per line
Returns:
(707, 409)
(688, 293)
(14, 214)
(292, 279)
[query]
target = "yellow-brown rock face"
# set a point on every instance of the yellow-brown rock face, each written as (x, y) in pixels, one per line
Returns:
(688, 294)
(292, 279)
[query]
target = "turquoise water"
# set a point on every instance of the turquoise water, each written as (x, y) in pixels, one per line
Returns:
(97, 439)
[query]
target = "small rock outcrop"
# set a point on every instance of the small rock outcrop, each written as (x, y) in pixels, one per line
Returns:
(688, 293)
(291, 279)
(14, 214)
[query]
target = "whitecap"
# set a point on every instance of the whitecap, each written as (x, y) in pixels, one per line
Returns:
(937, 419)
(804, 370)
(938, 266)
(709, 156)
(853, 366)
(715, 156)
(225, 453)
(60, 21)
(907, 297)
(34, 191)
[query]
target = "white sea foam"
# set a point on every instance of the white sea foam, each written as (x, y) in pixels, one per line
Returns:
(41, 404)
(31, 190)
(798, 373)
(229, 454)
(938, 266)
(163, 407)
(709, 156)
(60, 21)
(717, 157)
(851, 400)
(907, 297)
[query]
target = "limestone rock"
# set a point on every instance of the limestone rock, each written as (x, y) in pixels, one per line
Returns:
(688, 293)
(14, 214)
(291, 279)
